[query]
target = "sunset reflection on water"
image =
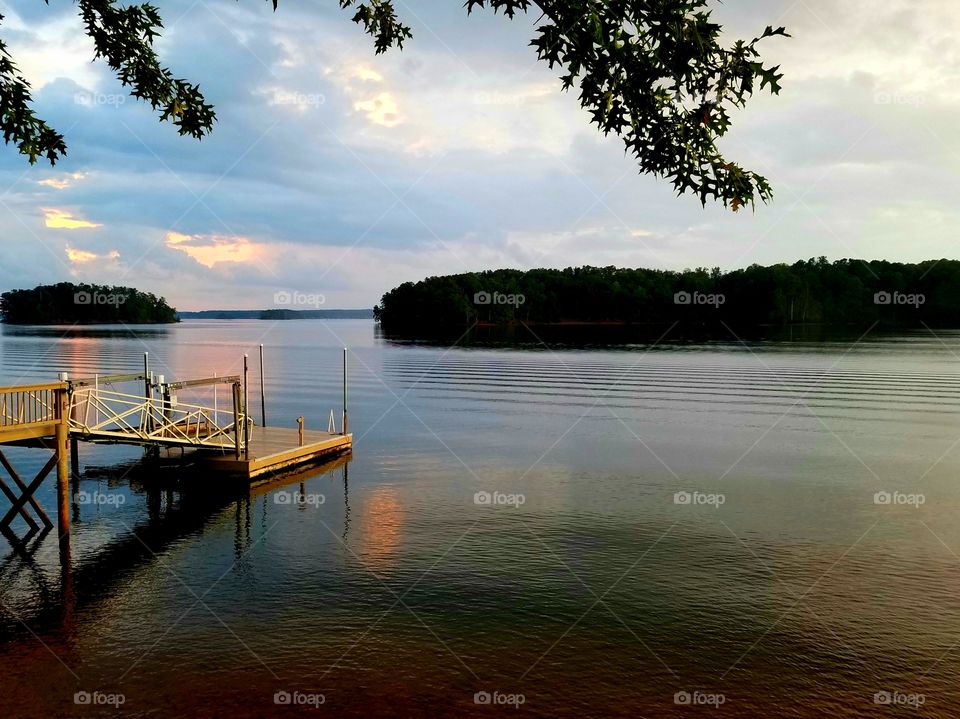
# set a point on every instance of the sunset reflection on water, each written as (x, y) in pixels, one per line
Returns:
(380, 530)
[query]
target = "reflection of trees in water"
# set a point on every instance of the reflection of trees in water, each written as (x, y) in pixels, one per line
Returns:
(80, 331)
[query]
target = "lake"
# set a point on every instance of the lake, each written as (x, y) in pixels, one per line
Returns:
(721, 529)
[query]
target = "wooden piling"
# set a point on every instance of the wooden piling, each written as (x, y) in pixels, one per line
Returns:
(63, 465)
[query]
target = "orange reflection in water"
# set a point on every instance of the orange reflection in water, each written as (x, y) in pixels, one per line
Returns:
(381, 527)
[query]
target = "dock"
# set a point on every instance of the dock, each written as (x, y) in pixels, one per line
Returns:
(223, 439)
(277, 449)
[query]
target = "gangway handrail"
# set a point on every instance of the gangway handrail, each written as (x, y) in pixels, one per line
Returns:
(121, 416)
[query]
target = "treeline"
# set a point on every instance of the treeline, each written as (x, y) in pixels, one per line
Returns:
(68, 303)
(845, 292)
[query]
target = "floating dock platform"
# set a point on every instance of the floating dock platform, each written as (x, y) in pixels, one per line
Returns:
(272, 450)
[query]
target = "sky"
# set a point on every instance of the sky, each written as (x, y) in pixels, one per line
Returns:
(333, 175)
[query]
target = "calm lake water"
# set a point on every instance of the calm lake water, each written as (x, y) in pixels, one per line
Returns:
(688, 530)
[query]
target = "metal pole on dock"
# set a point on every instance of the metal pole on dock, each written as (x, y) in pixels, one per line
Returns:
(263, 401)
(164, 399)
(146, 375)
(246, 411)
(343, 423)
(236, 419)
(146, 389)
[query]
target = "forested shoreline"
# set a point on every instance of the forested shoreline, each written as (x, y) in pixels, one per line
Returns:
(815, 291)
(69, 303)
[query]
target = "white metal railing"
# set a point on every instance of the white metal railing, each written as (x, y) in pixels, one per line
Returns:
(101, 413)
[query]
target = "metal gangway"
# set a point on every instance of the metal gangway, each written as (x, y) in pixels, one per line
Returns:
(154, 416)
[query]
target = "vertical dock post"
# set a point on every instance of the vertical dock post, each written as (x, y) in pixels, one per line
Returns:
(300, 427)
(63, 467)
(263, 401)
(162, 385)
(246, 411)
(74, 444)
(343, 423)
(146, 375)
(236, 419)
(146, 389)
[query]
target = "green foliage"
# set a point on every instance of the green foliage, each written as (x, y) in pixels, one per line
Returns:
(67, 303)
(652, 72)
(124, 37)
(808, 292)
(32, 136)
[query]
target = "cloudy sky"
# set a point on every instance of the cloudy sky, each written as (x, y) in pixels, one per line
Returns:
(333, 171)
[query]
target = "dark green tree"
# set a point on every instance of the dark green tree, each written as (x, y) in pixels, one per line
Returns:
(67, 303)
(652, 72)
(848, 292)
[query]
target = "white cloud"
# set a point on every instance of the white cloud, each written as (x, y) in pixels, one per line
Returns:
(211, 251)
(63, 181)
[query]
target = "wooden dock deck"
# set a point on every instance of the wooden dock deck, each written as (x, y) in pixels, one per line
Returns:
(275, 449)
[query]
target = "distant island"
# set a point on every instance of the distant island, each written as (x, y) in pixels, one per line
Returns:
(278, 314)
(811, 292)
(68, 303)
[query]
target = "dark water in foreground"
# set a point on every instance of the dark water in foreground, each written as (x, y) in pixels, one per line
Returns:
(783, 589)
